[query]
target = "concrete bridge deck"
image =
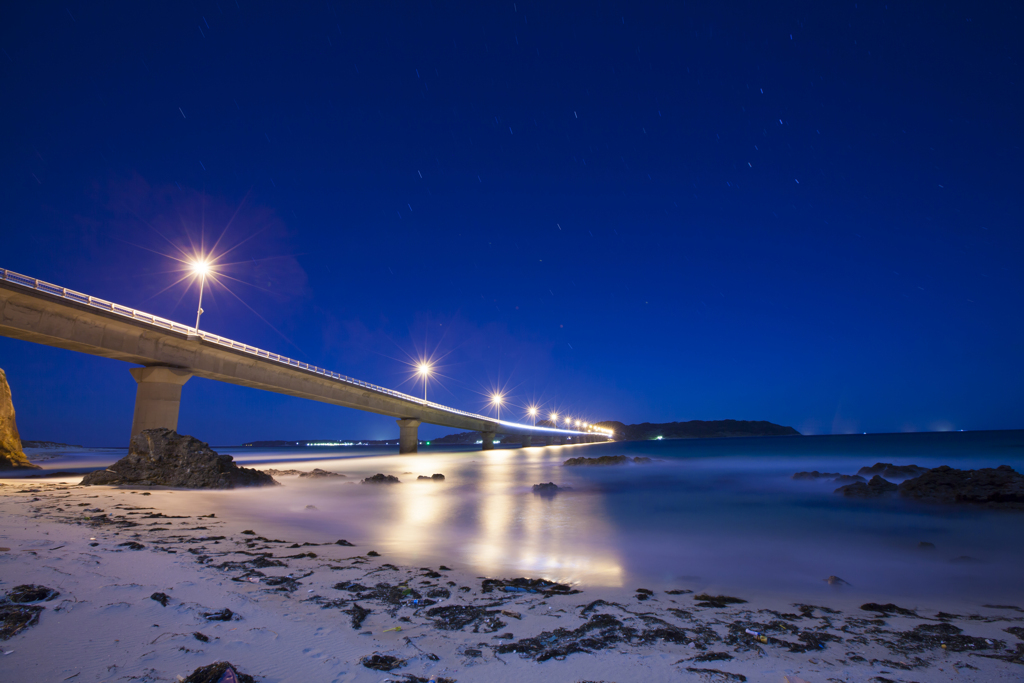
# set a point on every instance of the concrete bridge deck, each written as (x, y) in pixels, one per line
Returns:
(172, 353)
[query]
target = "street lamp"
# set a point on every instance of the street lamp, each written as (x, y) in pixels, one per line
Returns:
(554, 420)
(496, 400)
(200, 268)
(532, 410)
(424, 370)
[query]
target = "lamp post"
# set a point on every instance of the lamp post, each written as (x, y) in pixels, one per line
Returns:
(424, 370)
(200, 268)
(554, 420)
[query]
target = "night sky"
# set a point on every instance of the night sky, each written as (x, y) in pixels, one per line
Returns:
(808, 213)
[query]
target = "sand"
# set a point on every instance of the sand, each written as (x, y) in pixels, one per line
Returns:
(105, 626)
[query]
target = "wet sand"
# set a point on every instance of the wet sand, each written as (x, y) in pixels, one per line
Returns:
(310, 609)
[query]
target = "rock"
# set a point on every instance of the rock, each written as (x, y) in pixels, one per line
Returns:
(12, 457)
(848, 479)
(435, 477)
(162, 457)
(605, 460)
(1001, 487)
(549, 489)
(318, 473)
(162, 598)
(875, 488)
(382, 479)
(214, 673)
(836, 581)
(344, 542)
(890, 471)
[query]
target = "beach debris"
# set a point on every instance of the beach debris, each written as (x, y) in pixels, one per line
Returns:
(201, 637)
(711, 657)
(719, 601)
(162, 598)
(510, 614)
(162, 457)
(836, 581)
(605, 460)
(888, 609)
(433, 477)
(393, 628)
(875, 488)
(458, 617)
(381, 662)
(757, 635)
(716, 675)
(358, 615)
(219, 672)
(30, 592)
(221, 615)
(943, 636)
(439, 593)
(602, 631)
(131, 545)
(16, 618)
(382, 479)
(523, 585)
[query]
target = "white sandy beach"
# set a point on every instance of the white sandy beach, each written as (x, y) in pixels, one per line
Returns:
(105, 626)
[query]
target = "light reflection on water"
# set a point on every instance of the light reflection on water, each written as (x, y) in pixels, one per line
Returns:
(709, 514)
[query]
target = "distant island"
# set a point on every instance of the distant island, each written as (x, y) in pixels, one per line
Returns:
(696, 429)
(48, 444)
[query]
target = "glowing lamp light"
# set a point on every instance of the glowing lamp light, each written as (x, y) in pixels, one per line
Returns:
(200, 268)
(423, 369)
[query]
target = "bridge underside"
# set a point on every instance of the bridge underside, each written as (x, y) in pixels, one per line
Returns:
(170, 359)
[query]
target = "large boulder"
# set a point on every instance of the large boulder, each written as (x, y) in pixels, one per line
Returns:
(875, 488)
(162, 457)
(1002, 487)
(889, 471)
(12, 457)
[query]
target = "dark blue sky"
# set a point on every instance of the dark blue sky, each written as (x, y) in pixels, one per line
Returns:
(808, 213)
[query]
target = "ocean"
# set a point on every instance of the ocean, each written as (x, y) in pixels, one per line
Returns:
(709, 514)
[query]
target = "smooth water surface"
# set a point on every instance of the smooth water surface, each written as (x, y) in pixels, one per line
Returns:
(715, 514)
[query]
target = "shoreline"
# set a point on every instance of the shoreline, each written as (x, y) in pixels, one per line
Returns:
(303, 626)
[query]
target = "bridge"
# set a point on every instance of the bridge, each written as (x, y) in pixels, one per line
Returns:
(171, 353)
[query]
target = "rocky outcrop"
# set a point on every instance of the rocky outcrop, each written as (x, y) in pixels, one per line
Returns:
(382, 479)
(875, 488)
(605, 460)
(12, 457)
(162, 457)
(889, 471)
(1001, 487)
(436, 477)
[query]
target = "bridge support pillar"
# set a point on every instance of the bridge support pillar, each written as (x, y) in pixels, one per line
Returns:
(488, 439)
(548, 440)
(157, 397)
(408, 436)
(527, 441)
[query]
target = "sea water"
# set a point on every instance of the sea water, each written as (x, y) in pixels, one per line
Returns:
(708, 514)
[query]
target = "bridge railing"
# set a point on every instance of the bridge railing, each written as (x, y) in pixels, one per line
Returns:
(164, 323)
